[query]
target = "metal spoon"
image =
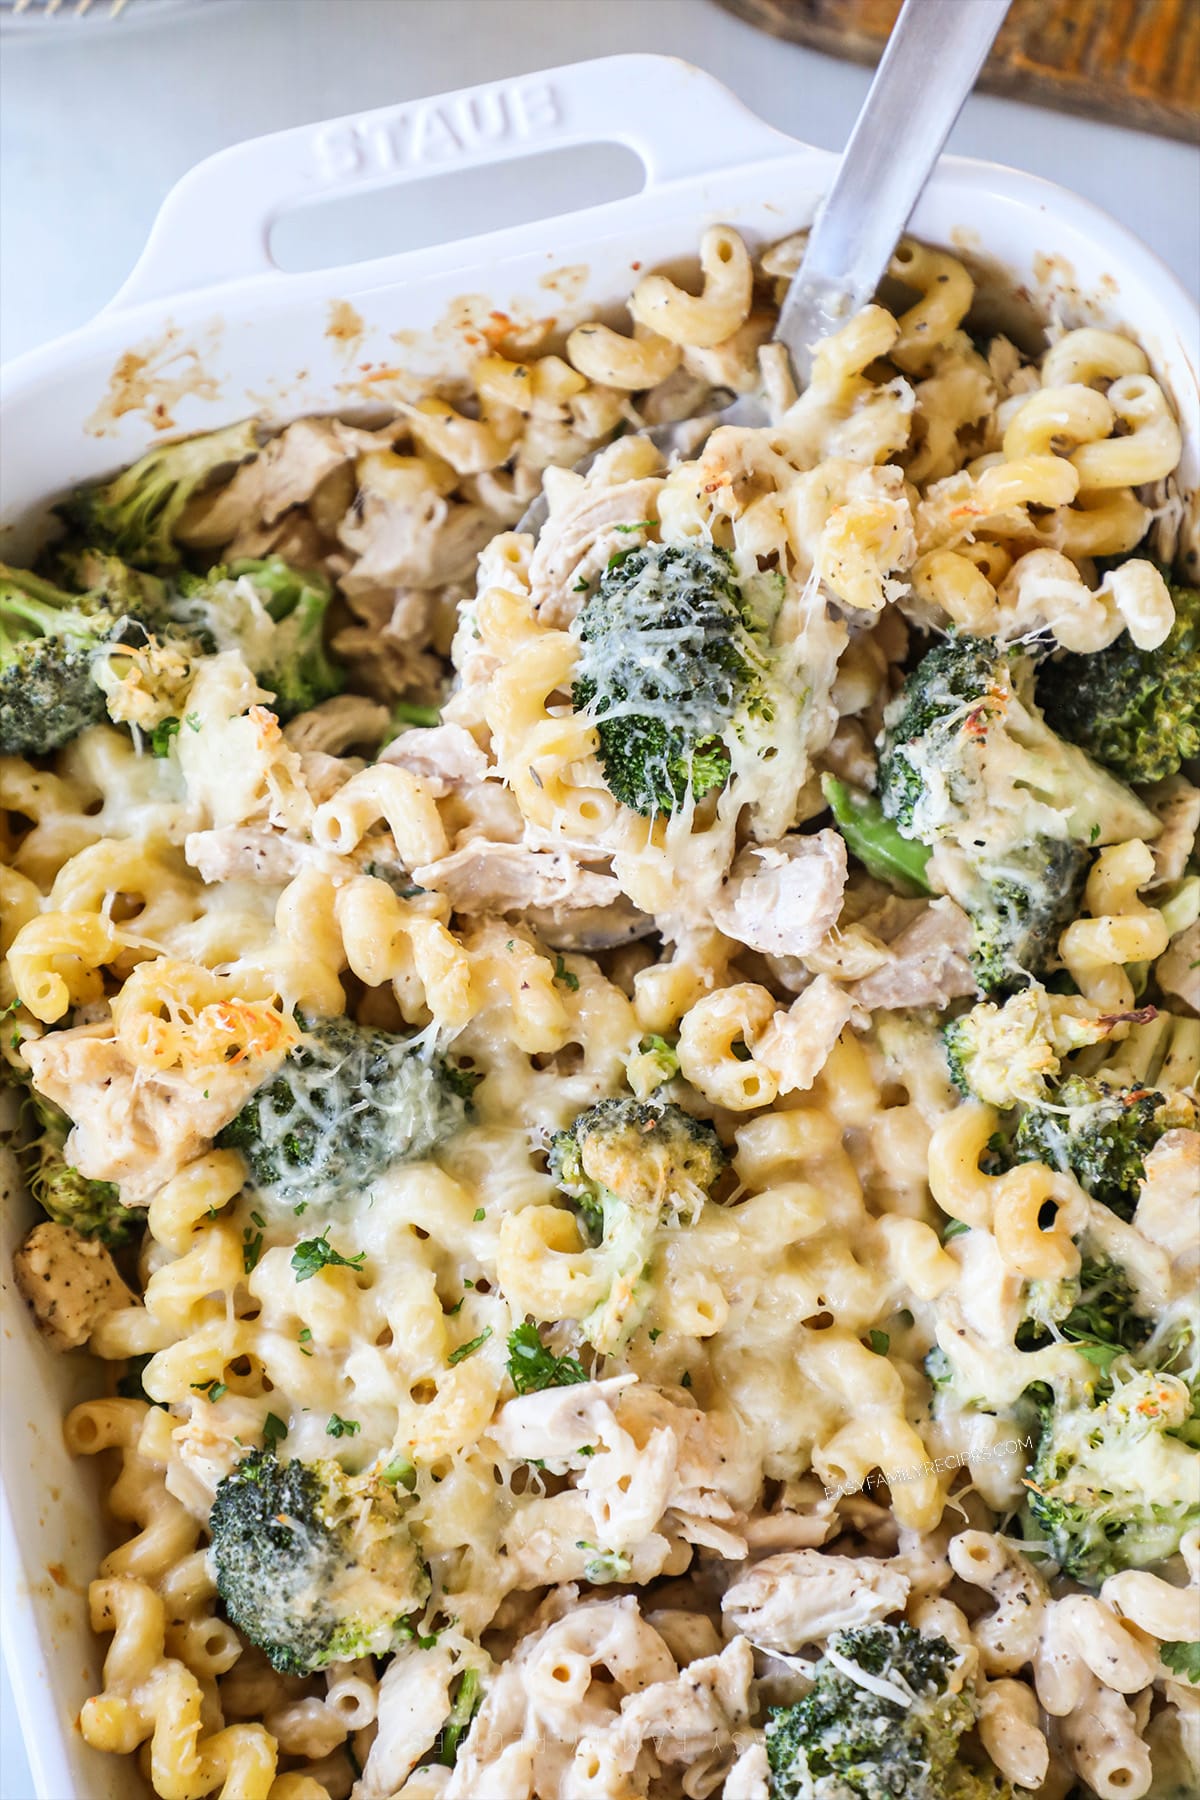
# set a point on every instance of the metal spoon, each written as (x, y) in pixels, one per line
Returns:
(935, 52)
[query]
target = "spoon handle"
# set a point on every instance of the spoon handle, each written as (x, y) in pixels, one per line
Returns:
(936, 50)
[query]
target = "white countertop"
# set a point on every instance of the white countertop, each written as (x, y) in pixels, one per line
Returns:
(98, 121)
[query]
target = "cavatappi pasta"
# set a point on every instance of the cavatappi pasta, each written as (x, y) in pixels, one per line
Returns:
(677, 1235)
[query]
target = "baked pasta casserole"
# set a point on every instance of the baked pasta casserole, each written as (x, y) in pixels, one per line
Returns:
(619, 1103)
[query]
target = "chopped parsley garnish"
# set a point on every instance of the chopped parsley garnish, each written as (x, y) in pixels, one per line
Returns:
(531, 1367)
(315, 1254)
(273, 1430)
(465, 1350)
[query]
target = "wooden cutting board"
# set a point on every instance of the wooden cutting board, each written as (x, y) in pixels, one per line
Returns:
(1133, 62)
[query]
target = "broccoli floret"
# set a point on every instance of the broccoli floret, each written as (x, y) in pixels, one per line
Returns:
(655, 1062)
(849, 1739)
(1135, 711)
(531, 1367)
(1101, 1135)
(312, 1565)
(968, 764)
(671, 666)
(965, 738)
(1095, 1312)
(631, 1166)
(124, 589)
(875, 840)
(1010, 1053)
(346, 1104)
(274, 616)
(1019, 906)
(49, 641)
(1115, 1481)
(134, 515)
(92, 1208)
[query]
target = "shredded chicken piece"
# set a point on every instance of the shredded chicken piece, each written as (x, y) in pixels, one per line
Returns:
(69, 1282)
(285, 473)
(442, 755)
(749, 1778)
(1166, 1208)
(345, 722)
(1177, 803)
(133, 1127)
(1178, 969)
(794, 1599)
(928, 964)
(796, 1044)
(501, 878)
(782, 898)
(659, 1471)
(579, 537)
(405, 534)
(246, 853)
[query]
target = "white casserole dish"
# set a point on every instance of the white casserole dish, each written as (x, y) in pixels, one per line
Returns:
(207, 330)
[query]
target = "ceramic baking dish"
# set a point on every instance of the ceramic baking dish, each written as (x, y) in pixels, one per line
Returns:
(207, 330)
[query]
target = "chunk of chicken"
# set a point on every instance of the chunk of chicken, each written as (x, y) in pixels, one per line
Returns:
(1166, 1208)
(1177, 803)
(928, 964)
(500, 878)
(749, 1778)
(345, 722)
(583, 530)
(442, 755)
(657, 1469)
(404, 533)
(782, 898)
(799, 1597)
(287, 472)
(1178, 969)
(133, 1127)
(69, 1283)
(797, 1043)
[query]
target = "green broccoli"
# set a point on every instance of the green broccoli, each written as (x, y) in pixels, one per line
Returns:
(275, 616)
(126, 590)
(92, 1208)
(1101, 1135)
(135, 514)
(850, 1739)
(347, 1103)
(531, 1367)
(1011, 1053)
(1115, 1479)
(672, 665)
(968, 764)
(876, 842)
(652, 1065)
(312, 1565)
(1135, 711)
(49, 641)
(630, 1167)
(1101, 1125)
(1095, 1312)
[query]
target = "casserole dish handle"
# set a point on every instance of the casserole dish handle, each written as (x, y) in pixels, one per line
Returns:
(215, 224)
